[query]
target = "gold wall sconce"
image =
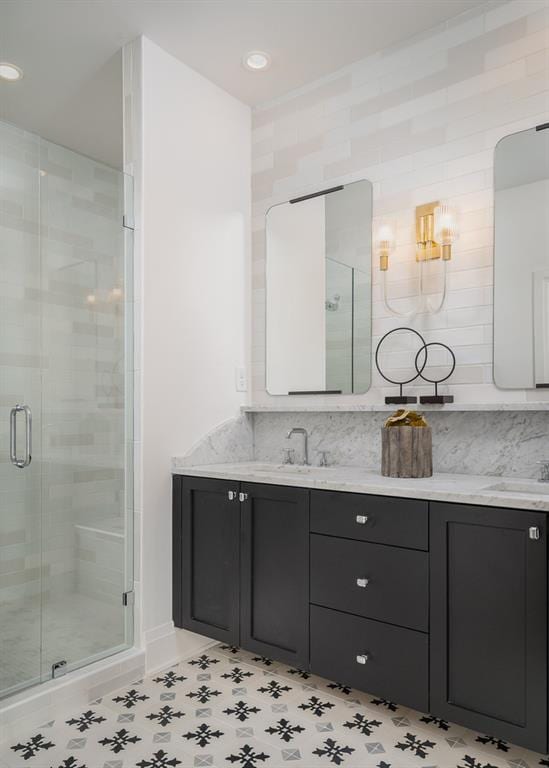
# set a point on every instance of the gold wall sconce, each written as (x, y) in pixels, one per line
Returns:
(436, 231)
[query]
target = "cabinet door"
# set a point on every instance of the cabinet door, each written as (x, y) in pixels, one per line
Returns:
(206, 536)
(275, 572)
(489, 621)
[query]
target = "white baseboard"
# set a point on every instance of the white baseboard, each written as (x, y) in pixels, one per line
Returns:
(166, 645)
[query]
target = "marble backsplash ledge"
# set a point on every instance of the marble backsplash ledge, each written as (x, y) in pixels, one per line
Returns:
(231, 441)
(479, 443)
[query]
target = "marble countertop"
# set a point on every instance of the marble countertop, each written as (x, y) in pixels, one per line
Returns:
(516, 493)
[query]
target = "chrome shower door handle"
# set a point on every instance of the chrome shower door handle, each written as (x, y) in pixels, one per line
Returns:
(26, 460)
(28, 435)
(13, 436)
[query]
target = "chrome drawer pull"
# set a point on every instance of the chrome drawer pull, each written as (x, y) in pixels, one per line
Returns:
(362, 658)
(361, 519)
(362, 583)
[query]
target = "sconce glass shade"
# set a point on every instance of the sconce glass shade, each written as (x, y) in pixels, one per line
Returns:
(446, 229)
(436, 230)
(385, 244)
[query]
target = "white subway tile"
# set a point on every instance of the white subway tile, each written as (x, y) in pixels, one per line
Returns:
(487, 81)
(510, 11)
(518, 49)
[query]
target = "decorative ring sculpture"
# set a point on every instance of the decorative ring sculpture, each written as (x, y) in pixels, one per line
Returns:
(401, 398)
(405, 399)
(436, 398)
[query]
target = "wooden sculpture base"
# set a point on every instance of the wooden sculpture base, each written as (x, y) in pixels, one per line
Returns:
(406, 452)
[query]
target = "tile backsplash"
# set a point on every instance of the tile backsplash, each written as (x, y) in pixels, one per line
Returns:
(421, 121)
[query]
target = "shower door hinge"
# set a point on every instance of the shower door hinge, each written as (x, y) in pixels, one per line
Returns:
(128, 598)
(59, 669)
(128, 222)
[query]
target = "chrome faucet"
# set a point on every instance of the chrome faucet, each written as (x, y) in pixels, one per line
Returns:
(544, 471)
(301, 431)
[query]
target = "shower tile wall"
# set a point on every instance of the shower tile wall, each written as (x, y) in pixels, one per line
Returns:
(100, 561)
(83, 347)
(420, 121)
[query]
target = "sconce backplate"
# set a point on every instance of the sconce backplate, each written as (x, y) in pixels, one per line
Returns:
(423, 212)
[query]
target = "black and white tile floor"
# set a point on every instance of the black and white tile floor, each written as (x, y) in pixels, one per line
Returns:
(229, 708)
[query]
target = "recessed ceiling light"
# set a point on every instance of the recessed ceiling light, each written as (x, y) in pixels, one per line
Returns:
(10, 72)
(256, 60)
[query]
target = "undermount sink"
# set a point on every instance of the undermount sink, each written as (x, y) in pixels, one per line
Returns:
(533, 487)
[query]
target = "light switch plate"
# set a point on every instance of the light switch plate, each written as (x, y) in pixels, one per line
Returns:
(241, 379)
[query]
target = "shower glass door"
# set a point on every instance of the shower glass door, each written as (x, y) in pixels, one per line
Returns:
(66, 341)
(20, 384)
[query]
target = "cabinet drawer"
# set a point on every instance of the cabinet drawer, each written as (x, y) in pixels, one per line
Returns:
(396, 667)
(397, 587)
(380, 519)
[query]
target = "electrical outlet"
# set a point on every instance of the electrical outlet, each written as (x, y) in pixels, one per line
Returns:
(241, 380)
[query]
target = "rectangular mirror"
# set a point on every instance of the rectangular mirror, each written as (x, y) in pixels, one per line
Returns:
(521, 260)
(318, 274)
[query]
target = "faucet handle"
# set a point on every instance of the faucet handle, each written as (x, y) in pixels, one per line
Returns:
(323, 458)
(289, 454)
(544, 473)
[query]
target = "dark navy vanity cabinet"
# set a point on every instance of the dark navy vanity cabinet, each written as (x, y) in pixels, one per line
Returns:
(241, 565)
(489, 620)
(438, 606)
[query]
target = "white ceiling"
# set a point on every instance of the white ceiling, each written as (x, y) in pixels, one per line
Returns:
(67, 49)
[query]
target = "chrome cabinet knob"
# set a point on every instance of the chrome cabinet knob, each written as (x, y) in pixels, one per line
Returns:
(242, 496)
(363, 583)
(232, 495)
(534, 533)
(361, 519)
(362, 658)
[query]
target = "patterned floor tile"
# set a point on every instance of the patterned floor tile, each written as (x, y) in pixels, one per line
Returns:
(228, 707)
(91, 737)
(250, 658)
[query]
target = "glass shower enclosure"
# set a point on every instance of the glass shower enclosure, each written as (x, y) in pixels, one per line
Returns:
(66, 413)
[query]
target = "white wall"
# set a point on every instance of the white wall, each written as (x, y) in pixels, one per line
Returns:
(421, 121)
(193, 172)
